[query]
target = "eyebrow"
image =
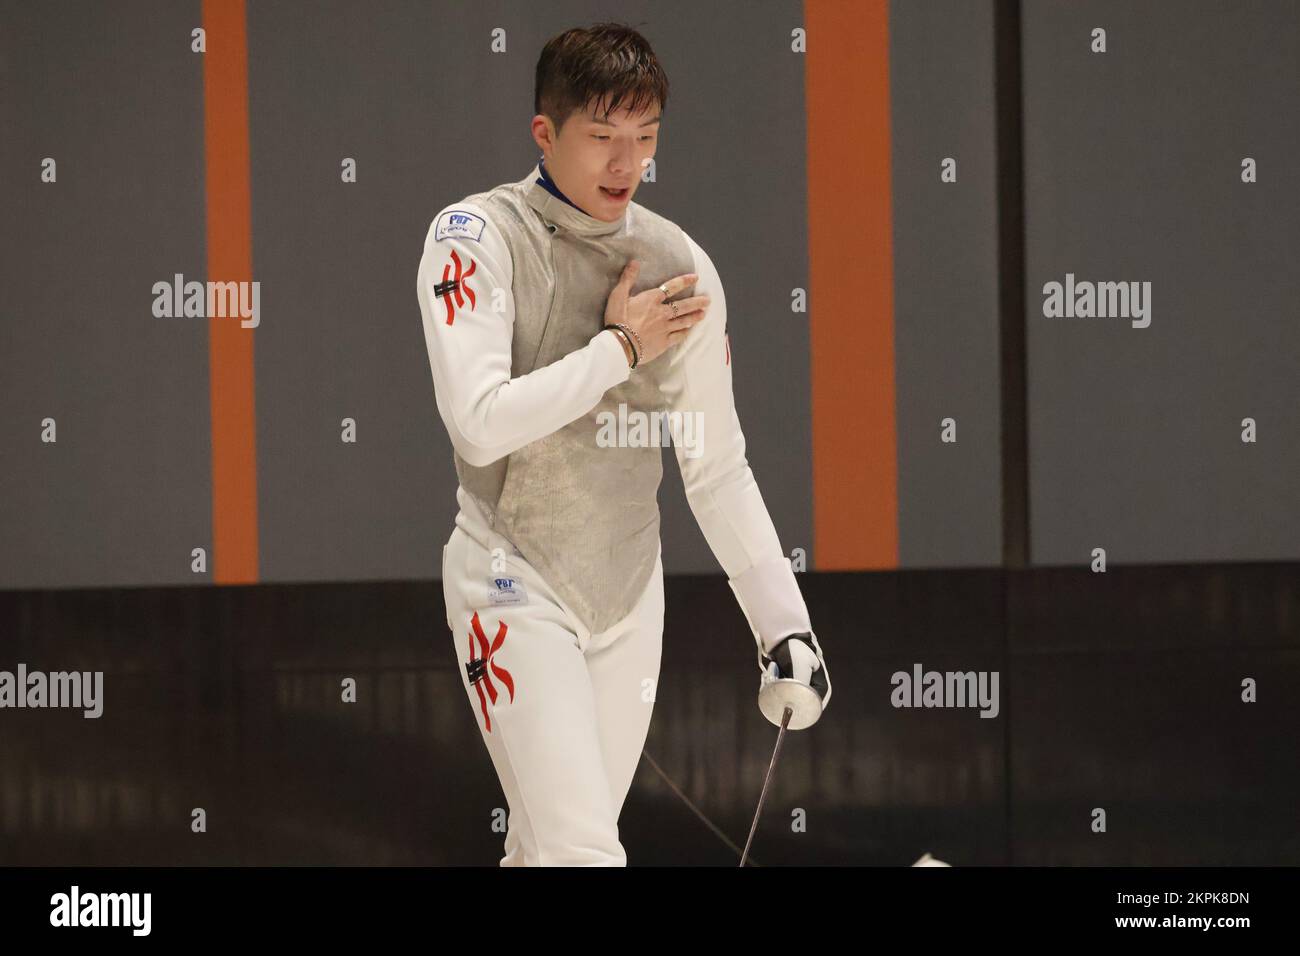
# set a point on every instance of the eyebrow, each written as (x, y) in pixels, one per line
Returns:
(604, 122)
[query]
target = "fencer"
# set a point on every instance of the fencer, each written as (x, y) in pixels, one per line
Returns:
(558, 315)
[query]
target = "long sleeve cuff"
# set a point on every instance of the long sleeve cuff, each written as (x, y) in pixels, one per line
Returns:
(613, 362)
(770, 599)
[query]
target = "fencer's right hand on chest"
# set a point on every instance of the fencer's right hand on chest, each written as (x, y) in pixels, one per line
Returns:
(658, 323)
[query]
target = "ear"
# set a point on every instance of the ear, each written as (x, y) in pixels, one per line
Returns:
(543, 134)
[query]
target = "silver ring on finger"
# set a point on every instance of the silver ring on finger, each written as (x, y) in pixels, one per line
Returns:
(663, 287)
(674, 307)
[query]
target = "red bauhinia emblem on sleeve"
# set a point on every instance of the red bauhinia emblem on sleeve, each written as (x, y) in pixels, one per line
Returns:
(452, 286)
(477, 670)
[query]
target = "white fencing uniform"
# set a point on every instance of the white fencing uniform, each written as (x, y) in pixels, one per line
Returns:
(553, 576)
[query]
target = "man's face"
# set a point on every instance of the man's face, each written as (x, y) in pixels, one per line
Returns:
(592, 152)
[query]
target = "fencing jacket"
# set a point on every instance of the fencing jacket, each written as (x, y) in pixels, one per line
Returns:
(549, 424)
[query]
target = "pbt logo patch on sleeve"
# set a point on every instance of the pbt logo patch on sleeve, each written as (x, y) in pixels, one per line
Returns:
(506, 590)
(459, 224)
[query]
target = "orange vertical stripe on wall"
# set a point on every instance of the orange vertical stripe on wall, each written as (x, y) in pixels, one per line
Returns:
(851, 278)
(230, 259)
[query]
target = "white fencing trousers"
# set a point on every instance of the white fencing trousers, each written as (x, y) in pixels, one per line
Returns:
(564, 712)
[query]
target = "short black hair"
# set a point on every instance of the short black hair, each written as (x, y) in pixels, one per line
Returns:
(606, 62)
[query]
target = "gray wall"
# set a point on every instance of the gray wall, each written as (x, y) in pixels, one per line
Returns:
(113, 95)
(1132, 173)
(945, 283)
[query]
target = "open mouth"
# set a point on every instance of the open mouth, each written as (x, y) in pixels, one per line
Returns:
(615, 193)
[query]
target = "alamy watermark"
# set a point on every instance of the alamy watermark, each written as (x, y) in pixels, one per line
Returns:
(212, 300)
(946, 689)
(84, 689)
(637, 429)
(1098, 300)
(75, 908)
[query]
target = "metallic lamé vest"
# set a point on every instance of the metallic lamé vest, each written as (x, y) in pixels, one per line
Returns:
(585, 516)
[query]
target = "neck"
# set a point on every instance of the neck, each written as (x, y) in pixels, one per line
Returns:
(558, 210)
(554, 190)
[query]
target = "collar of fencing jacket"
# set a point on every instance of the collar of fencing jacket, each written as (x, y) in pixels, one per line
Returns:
(553, 206)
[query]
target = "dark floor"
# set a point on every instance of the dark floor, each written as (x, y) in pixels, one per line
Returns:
(1119, 691)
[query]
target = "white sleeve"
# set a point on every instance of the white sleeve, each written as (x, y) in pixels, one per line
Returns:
(719, 484)
(467, 304)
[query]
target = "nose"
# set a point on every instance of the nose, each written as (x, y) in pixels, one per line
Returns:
(623, 158)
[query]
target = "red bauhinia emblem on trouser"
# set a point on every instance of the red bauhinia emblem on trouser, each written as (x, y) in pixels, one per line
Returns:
(453, 286)
(478, 667)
